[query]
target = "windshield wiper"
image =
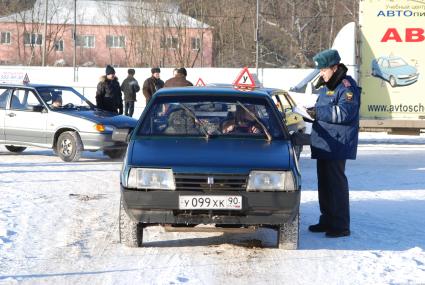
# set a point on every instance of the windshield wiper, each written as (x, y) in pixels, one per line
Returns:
(192, 114)
(266, 132)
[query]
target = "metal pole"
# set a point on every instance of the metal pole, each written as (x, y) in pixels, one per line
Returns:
(74, 59)
(256, 37)
(43, 55)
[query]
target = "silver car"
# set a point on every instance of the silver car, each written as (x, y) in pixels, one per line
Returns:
(57, 117)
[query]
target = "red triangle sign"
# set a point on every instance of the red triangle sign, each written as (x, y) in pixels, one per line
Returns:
(244, 79)
(200, 82)
(26, 79)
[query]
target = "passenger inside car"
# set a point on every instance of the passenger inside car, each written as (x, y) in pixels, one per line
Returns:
(180, 122)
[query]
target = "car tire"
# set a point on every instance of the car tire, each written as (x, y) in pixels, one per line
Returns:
(69, 146)
(288, 234)
(130, 232)
(16, 149)
(392, 81)
(114, 153)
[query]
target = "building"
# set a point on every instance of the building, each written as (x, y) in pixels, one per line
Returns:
(121, 33)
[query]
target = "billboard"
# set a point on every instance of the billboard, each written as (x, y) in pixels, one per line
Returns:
(392, 59)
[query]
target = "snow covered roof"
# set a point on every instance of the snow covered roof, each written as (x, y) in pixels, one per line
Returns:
(121, 13)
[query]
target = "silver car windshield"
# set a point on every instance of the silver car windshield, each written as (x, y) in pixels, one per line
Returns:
(64, 98)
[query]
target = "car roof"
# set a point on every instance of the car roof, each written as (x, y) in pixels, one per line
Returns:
(390, 57)
(214, 90)
(31, 85)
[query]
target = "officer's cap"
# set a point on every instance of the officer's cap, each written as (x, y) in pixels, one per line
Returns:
(326, 58)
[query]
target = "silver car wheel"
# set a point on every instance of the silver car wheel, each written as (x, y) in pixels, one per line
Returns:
(69, 146)
(66, 147)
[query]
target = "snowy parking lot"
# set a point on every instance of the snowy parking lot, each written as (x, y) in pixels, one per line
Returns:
(58, 225)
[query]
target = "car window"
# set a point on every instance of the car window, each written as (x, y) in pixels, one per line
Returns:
(397, 62)
(286, 104)
(24, 100)
(68, 97)
(4, 96)
(216, 117)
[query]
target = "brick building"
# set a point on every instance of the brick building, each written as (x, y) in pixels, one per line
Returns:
(107, 32)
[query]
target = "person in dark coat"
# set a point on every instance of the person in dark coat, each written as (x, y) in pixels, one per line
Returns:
(130, 87)
(179, 80)
(152, 84)
(108, 94)
(334, 139)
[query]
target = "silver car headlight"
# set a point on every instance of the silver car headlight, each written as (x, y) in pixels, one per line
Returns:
(271, 181)
(150, 178)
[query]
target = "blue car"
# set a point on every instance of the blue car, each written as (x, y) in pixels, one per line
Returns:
(394, 70)
(211, 156)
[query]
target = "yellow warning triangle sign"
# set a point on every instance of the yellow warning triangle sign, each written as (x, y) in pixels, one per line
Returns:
(26, 79)
(244, 79)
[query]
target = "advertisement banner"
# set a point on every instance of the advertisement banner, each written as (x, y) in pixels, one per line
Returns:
(392, 59)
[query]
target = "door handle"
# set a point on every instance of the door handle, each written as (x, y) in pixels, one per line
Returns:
(11, 114)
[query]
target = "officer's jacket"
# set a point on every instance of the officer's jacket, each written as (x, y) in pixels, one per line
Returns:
(335, 131)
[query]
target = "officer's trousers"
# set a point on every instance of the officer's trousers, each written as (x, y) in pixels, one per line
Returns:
(333, 194)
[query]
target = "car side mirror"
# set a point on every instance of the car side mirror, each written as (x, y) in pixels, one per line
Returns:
(121, 135)
(299, 138)
(39, 108)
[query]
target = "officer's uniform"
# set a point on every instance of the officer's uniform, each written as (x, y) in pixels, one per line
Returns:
(334, 139)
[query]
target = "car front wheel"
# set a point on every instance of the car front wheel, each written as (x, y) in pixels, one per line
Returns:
(69, 146)
(16, 149)
(131, 232)
(288, 234)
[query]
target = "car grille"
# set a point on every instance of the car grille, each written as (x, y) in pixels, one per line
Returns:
(211, 182)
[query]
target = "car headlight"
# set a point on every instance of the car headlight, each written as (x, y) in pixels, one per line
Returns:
(149, 178)
(103, 128)
(271, 181)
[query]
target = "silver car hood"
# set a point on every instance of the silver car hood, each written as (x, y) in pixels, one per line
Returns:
(102, 117)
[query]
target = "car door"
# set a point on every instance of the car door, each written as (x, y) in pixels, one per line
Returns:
(4, 97)
(286, 106)
(25, 119)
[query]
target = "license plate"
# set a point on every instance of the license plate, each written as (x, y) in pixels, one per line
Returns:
(210, 202)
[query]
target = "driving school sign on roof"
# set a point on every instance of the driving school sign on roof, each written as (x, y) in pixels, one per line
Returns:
(244, 79)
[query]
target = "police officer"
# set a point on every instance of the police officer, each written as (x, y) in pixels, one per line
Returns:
(334, 139)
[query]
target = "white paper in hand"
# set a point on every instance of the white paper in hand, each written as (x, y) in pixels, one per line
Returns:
(302, 111)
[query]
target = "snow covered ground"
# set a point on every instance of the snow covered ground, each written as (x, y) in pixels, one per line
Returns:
(58, 225)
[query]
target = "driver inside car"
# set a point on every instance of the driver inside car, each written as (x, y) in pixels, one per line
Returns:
(242, 122)
(56, 101)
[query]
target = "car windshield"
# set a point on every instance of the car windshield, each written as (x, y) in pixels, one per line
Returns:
(397, 62)
(209, 116)
(62, 98)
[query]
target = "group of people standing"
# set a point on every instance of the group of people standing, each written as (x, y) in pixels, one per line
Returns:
(109, 91)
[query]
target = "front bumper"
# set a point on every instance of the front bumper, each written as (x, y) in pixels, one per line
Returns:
(258, 208)
(97, 141)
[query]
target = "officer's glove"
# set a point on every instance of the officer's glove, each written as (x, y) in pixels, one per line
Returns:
(312, 112)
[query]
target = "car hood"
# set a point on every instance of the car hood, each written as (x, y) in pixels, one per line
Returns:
(102, 117)
(403, 70)
(213, 155)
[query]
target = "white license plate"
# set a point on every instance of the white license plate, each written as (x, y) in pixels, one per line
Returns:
(210, 202)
